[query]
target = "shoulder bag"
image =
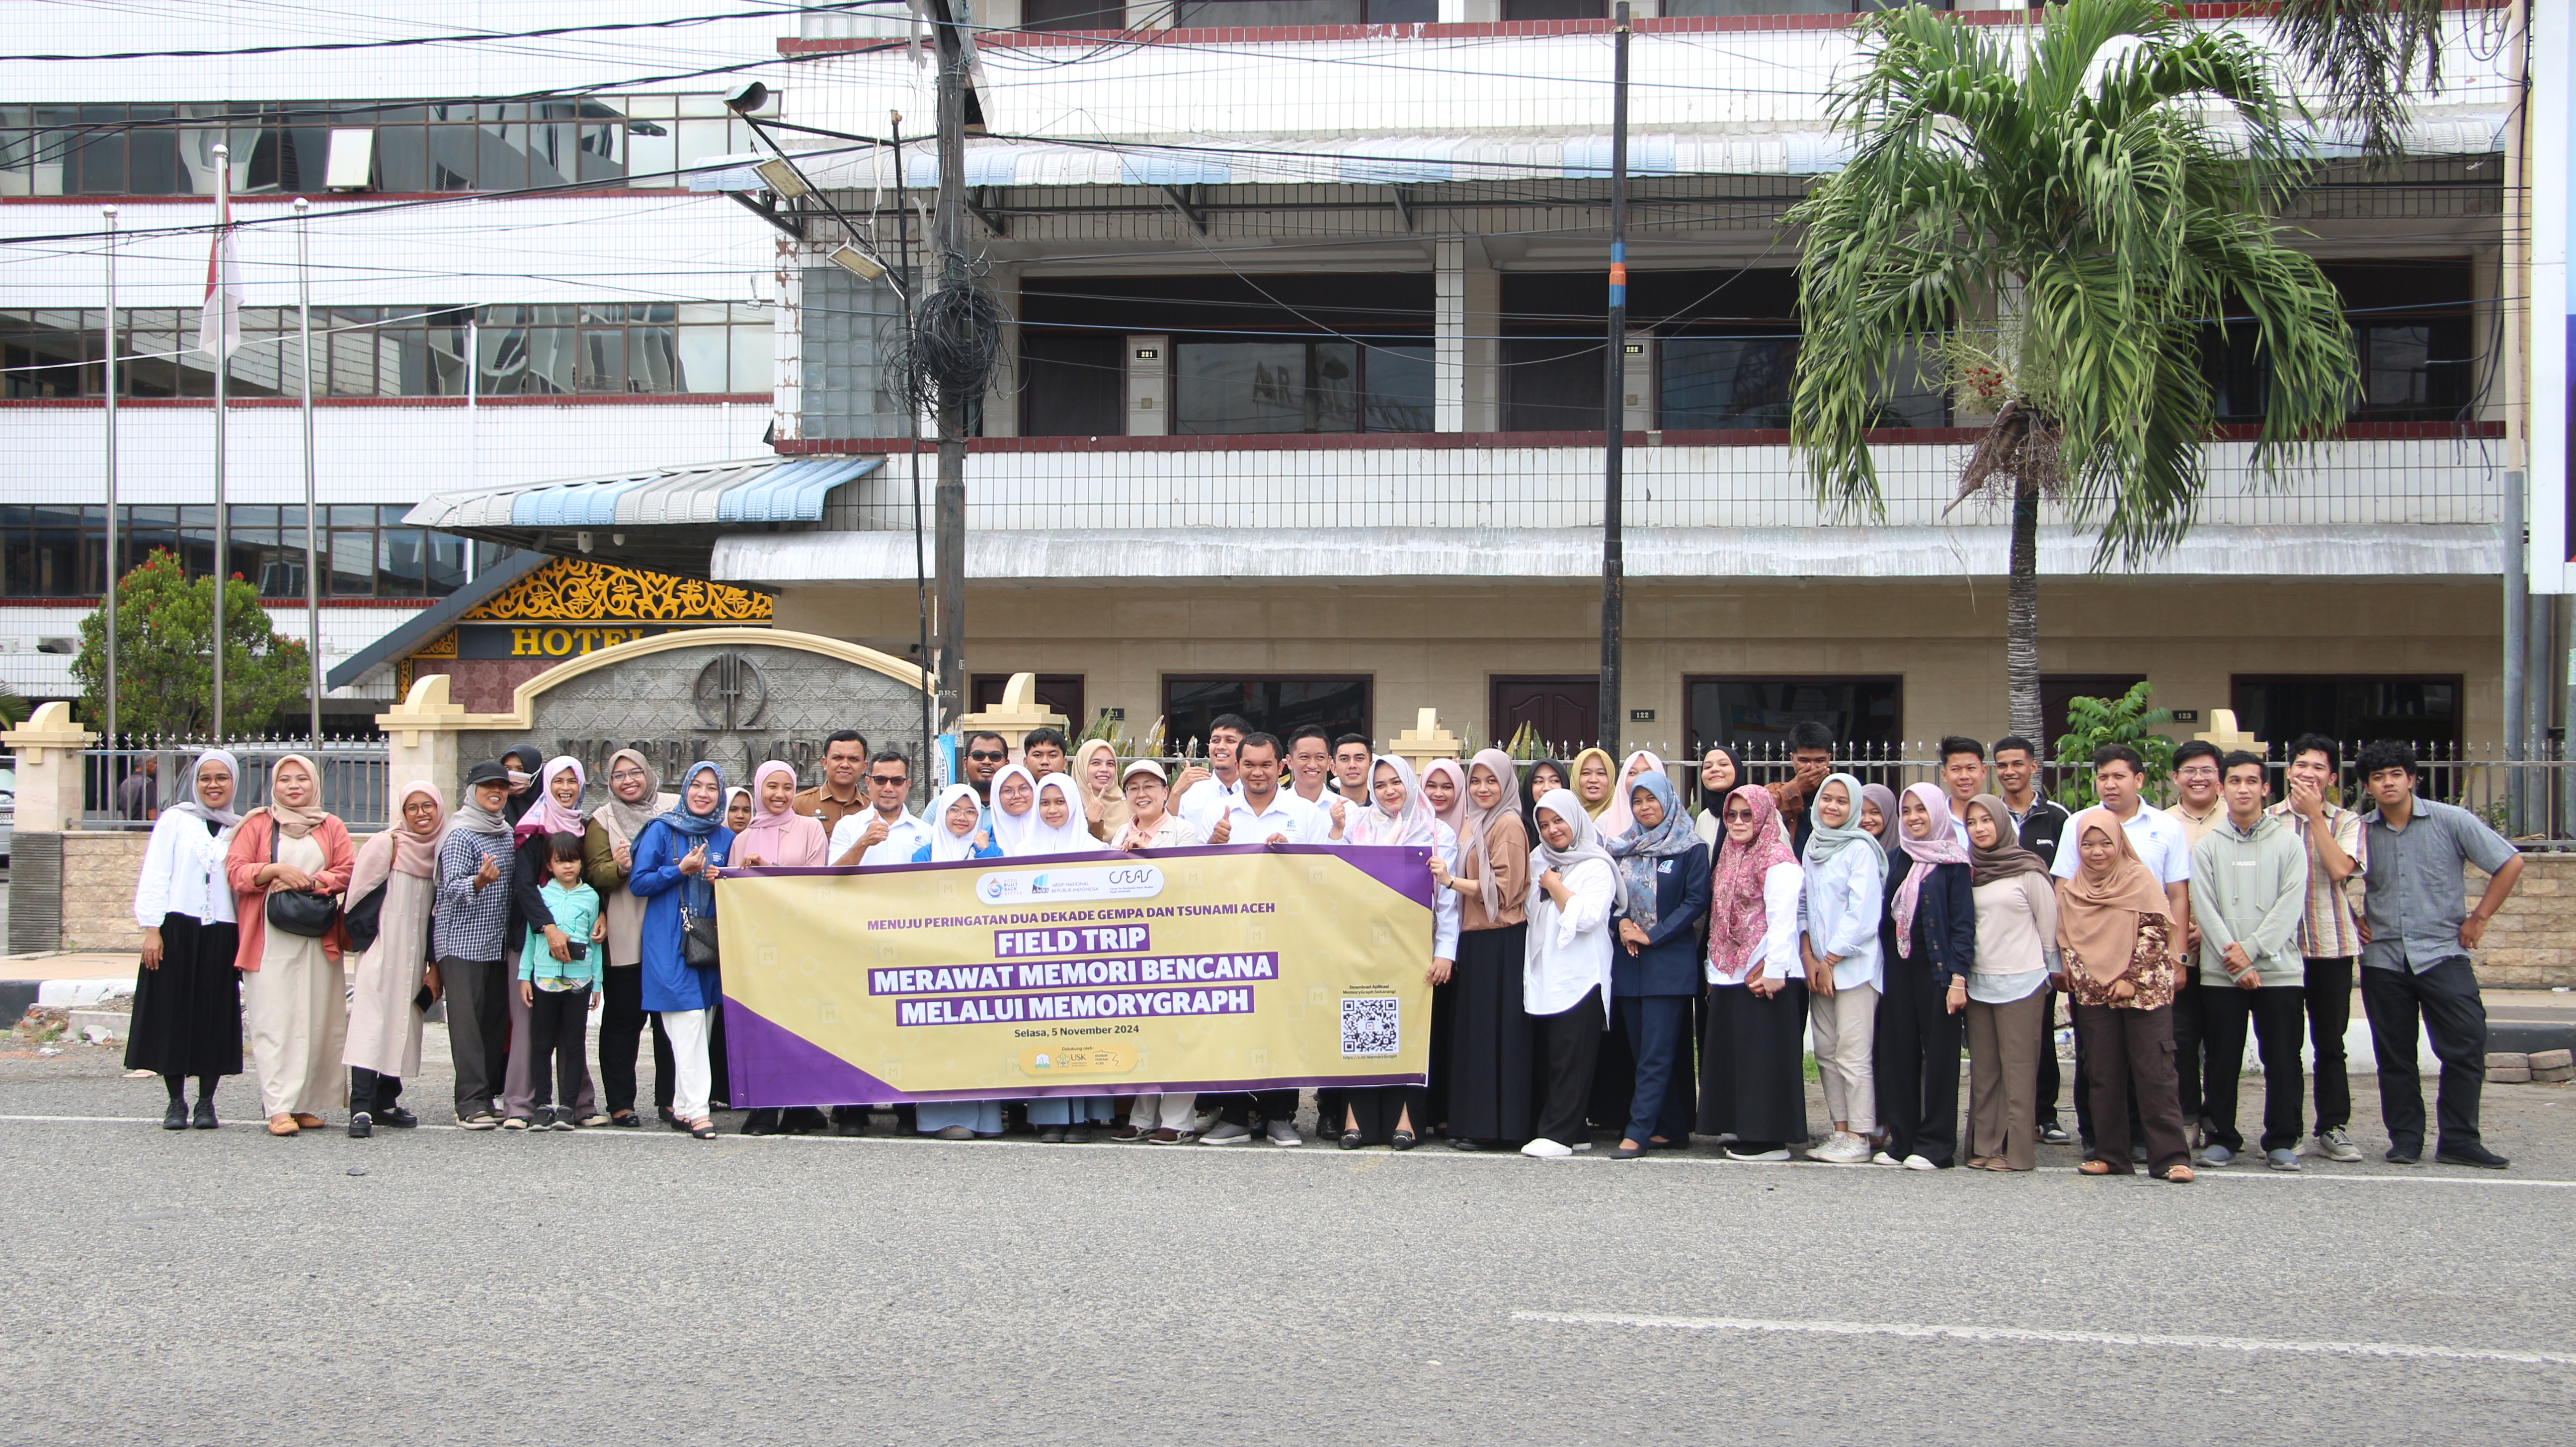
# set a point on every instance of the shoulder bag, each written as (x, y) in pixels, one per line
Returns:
(295, 911)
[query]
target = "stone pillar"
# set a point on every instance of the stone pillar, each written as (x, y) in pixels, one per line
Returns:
(1481, 292)
(50, 746)
(1425, 741)
(420, 737)
(1018, 713)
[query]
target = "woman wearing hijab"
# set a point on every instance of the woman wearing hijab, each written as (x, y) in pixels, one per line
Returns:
(1544, 777)
(1592, 776)
(525, 762)
(1720, 773)
(298, 1017)
(384, 991)
(608, 852)
(1398, 814)
(556, 810)
(1878, 816)
(1753, 1085)
(1013, 820)
(779, 838)
(1614, 1073)
(2007, 989)
(1104, 800)
(1846, 873)
(1927, 947)
(2113, 925)
(1614, 818)
(674, 876)
(1444, 792)
(738, 810)
(956, 829)
(1654, 969)
(187, 999)
(1060, 828)
(1492, 1059)
(1565, 972)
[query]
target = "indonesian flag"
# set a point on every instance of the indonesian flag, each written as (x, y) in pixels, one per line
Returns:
(219, 321)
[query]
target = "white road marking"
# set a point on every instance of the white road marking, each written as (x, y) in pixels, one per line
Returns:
(2069, 1338)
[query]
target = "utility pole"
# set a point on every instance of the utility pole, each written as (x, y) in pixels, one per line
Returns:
(948, 498)
(1614, 412)
(114, 572)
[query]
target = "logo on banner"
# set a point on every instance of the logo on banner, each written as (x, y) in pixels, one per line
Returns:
(1105, 881)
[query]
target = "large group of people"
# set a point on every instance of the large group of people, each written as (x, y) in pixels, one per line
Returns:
(1601, 960)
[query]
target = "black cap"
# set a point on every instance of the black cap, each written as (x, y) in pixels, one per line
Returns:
(487, 772)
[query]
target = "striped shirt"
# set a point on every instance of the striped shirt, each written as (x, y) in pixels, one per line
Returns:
(2327, 930)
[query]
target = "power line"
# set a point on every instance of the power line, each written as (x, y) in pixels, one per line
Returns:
(470, 37)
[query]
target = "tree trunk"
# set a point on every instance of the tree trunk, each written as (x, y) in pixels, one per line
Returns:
(2021, 621)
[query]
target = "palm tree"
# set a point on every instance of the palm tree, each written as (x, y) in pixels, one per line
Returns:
(2062, 178)
(2363, 52)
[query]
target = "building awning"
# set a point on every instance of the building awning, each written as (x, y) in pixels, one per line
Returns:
(430, 622)
(664, 520)
(1143, 557)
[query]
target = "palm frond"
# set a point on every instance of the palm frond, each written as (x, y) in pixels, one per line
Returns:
(2364, 53)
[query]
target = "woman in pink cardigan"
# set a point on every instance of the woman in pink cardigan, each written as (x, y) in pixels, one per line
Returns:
(291, 987)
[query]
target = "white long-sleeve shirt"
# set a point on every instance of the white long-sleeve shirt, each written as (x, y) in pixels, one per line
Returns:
(1840, 910)
(1204, 802)
(1444, 912)
(1568, 949)
(183, 873)
(1782, 884)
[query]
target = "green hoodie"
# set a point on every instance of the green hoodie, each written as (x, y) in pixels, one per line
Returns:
(2250, 888)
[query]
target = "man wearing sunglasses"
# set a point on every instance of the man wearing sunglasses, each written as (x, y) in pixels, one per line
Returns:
(982, 755)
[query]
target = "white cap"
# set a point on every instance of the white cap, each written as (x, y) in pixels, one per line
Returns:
(1142, 766)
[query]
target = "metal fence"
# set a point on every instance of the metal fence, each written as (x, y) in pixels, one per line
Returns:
(2530, 801)
(122, 786)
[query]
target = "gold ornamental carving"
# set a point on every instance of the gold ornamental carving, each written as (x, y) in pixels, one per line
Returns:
(570, 590)
(443, 646)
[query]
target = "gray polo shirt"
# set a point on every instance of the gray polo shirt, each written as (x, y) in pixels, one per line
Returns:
(2417, 896)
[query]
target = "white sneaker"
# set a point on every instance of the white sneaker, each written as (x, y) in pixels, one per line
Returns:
(1881, 1158)
(1845, 1149)
(1918, 1163)
(1580, 1146)
(1281, 1133)
(1545, 1149)
(1780, 1153)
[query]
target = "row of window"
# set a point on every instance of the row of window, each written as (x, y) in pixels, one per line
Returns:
(1112, 14)
(631, 348)
(284, 147)
(61, 551)
(1755, 714)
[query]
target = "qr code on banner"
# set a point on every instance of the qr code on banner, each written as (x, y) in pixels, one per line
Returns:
(1370, 1026)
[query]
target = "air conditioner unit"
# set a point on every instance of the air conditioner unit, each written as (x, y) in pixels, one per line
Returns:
(58, 644)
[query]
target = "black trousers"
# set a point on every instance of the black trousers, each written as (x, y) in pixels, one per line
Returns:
(478, 1029)
(2188, 1044)
(2445, 999)
(2329, 1000)
(2128, 1057)
(556, 1021)
(1570, 1044)
(371, 1092)
(2049, 1080)
(1244, 1108)
(621, 1032)
(2278, 1014)
(1916, 1057)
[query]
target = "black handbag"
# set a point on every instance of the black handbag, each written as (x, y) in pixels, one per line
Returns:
(362, 921)
(697, 938)
(295, 911)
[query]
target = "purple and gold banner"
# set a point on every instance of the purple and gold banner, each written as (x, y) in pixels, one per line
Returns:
(1238, 968)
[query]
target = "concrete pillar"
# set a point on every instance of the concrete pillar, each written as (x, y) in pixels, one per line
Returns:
(1467, 301)
(1002, 395)
(1449, 335)
(1425, 741)
(1149, 393)
(1637, 389)
(420, 737)
(1017, 714)
(50, 747)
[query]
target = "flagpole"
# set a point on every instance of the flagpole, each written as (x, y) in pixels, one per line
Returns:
(312, 575)
(217, 295)
(108, 353)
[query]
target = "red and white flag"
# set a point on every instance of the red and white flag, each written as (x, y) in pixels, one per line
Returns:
(219, 321)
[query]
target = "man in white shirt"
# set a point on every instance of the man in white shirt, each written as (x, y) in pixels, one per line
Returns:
(1260, 812)
(1310, 766)
(2158, 839)
(884, 833)
(1202, 792)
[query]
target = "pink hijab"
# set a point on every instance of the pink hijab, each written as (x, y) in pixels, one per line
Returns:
(1617, 817)
(782, 838)
(547, 816)
(1412, 823)
(1738, 915)
(1942, 848)
(1457, 810)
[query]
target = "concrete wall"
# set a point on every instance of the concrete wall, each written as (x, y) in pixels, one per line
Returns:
(1435, 645)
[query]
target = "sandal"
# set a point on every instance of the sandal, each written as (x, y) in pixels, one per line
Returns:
(704, 1128)
(308, 1120)
(2179, 1175)
(2094, 1168)
(626, 1118)
(282, 1124)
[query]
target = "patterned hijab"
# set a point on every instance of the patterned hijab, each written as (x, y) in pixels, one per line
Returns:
(1614, 817)
(550, 815)
(1738, 914)
(1928, 854)
(1637, 851)
(196, 805)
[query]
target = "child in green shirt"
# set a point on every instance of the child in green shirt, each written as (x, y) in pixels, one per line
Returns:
(560, 991)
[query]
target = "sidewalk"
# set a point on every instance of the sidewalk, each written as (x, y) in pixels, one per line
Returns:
(63, 979)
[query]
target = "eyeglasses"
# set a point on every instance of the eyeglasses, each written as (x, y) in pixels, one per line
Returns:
(888, 779)
(1739, 816)
(627, 776)
(982, 757)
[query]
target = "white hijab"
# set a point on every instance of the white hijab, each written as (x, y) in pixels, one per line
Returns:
(1012, 832)
(1073, 836)
(1586, 844)
(947, 847)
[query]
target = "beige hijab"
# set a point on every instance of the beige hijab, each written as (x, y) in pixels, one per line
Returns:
(2098, 913)
(295, 823)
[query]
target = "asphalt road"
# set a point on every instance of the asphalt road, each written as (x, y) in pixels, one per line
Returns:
(639, 1287)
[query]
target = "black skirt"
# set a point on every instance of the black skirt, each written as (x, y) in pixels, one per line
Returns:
(1493, 1049)
(1753, 1080)
(187, 1014)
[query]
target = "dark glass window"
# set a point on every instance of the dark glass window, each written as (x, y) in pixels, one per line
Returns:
(1274, 705)
(1552, 384)
(1073, 14)
(2424, 711)
(1725, 383)
(61, 552)
(1072, 384)
(1755, 714)
(2412, 328)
